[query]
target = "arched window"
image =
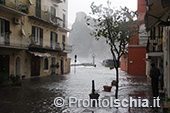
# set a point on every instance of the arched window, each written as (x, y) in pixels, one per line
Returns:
(46, 64)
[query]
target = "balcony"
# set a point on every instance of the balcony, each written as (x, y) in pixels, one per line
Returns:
(15, 7)
(56, 46)
(155, 44)
(45, 17)
(11, 41)
(67, 48)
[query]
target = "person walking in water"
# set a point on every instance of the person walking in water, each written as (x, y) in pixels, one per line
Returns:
(154, 74)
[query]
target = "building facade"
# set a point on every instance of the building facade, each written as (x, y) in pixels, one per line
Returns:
(135, 60)
(33, 38)
(157, 26)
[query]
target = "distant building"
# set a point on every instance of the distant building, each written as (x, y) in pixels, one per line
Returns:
(33, 38)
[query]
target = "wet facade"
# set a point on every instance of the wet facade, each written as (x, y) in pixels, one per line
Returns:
(157, 26)
(33, 38)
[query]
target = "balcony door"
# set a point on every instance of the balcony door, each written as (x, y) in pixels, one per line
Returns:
(38, 36)
(4, 32)
(54, 40)
(38, 8)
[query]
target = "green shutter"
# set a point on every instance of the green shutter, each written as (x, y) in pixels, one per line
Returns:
(51, 39)
(41, 37)
(33, 30)
(56, 37)
(38, 8)
(7, 30)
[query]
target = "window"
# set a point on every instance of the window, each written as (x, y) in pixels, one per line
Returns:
(2, 27)
(53, 11)
(38, 35)
(54, 40)
(64, 19)
(2, 2)
(64, 42)
(53, 15)
(4, 31)
(152, 33)
(160, 31)
(38, 8)
(46, 64)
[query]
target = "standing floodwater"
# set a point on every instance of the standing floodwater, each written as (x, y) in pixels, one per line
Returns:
(37, 95)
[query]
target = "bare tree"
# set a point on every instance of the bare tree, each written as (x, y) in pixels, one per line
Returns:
(118, 27)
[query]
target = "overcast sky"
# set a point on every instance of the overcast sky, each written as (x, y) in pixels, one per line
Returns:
(75, 6)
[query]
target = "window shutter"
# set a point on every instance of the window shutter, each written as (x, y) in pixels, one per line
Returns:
(7, 30)
(41, 37)
(56, 37)
(33, 30)
(51, 39)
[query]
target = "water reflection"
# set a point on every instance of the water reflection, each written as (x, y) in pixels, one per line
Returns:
(36, 95)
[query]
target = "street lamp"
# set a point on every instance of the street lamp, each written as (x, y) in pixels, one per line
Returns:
(93, 56)
(75, 63)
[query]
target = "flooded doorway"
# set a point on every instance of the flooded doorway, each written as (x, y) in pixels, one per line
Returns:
(4, 67)
(35, 66)
(62, 65)
(17, 66)
(53, 65)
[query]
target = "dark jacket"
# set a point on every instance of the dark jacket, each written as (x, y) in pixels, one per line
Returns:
(154, 73)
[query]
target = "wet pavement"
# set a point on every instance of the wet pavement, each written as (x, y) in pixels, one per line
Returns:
(36, 95)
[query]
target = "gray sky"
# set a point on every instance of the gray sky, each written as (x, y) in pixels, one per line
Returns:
(75, 6)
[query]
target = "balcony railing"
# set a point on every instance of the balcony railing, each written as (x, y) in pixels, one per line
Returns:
(13, 41)
(56, 46)
(18, 5)
(45, 16)
(155, 44)
(7, 40)
(67, 48)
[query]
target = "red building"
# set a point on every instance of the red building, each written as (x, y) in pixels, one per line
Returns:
(136, 64)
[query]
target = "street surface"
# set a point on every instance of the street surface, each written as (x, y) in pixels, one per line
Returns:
(36, 95)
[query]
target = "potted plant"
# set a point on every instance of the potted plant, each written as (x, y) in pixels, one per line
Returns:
(15, 80)
(113, 83)
(107, 88)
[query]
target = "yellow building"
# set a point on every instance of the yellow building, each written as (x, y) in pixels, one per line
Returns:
(33, 38)
(157, 24)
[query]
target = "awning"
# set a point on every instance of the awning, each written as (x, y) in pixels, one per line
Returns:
(156, 14)
(40, 54)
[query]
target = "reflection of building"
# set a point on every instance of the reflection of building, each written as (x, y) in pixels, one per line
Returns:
(158, 47)
(135, 60)
(33, 38)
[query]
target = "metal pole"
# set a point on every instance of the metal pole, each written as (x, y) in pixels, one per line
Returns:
(93, 87)
(75, 63)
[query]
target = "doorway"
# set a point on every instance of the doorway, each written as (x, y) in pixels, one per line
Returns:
(4, 67)
(62, 65)
(18, 66)
(53, 65)
(35, 66)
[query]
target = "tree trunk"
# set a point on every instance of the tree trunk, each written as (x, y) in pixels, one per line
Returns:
(117, 82)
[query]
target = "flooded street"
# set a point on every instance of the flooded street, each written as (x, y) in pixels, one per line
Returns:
(36, 95)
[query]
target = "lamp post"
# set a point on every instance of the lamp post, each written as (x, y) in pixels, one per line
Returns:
(93, 56)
